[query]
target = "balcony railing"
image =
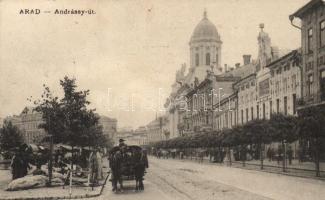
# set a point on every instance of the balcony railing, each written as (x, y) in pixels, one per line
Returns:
(313, 99)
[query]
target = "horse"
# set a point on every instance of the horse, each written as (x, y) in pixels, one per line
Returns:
(141, 163)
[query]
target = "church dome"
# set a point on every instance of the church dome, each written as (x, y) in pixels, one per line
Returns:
(205, 31)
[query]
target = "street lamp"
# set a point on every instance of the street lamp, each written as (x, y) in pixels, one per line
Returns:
(284, 155)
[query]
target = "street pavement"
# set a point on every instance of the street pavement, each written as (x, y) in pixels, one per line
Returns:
(172, 180)
(185, 180)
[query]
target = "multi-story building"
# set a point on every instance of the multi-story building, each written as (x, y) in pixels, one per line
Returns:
(205, 55)
(312, 16)
(271, 85)
(28, 123)
(285, 85)
(247, 99)
(201, 101)
(225, 112)
(109, 126)
(276, 91)
(140, 136)
(157, 129)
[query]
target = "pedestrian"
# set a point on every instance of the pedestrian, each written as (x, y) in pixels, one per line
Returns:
(268, 153)
(290, 154)
(16, 165)
(115, 165)
(93, 167)
(25, 152)
(100, 165)
(279, 157)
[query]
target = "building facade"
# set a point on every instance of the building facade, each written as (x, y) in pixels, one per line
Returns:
(312, 16)
(28, 123)
(157, 129)
(124, 133)
(205, 55)
(247, 99)
(109, 126)
(271, 85)
(140, 136)
(225, 113)
(204, 101)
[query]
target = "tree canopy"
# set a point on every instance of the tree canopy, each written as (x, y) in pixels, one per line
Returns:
(69, 120)
(10, 137)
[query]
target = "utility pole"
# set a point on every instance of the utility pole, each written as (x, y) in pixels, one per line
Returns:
(50, 164)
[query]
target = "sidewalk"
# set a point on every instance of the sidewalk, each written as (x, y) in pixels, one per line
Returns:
(305, 169)
(270, 185)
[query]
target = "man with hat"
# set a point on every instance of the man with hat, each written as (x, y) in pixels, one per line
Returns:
(121, 143)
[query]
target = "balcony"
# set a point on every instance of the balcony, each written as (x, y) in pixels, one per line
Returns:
(312, 100)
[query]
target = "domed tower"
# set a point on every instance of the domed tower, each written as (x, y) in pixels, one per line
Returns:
(205, 46)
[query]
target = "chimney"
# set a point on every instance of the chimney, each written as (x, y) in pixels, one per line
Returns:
(247, 59)
(226, 67)
(237, 65)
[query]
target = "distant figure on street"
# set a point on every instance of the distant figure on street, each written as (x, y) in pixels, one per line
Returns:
(93, 167)
(290, 154)
(16, 165)
(115, 165)
(270, 153)
(20, 162)
(280, 152)
(100, 165)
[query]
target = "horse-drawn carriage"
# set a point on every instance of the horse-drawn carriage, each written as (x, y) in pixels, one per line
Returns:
(128, 163)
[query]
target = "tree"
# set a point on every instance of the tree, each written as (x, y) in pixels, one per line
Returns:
(311, 123)
(10, 138)
(52, 115)
(257, 132)
(68, 120)
(283, 129)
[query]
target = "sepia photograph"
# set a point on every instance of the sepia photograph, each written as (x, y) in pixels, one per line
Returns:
(162, 99)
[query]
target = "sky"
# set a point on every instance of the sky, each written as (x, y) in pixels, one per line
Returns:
(126, 53)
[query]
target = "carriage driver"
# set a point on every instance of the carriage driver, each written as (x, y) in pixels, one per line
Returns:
(121, 143)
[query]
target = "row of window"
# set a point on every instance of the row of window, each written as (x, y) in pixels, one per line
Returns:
(285, 109)
(247, 85)
(227, 120)
(207, 59)
(321, 37)
(278, 71)
(223, 120)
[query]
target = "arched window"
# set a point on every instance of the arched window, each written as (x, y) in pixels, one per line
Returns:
(197, 59)
(207, 59)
